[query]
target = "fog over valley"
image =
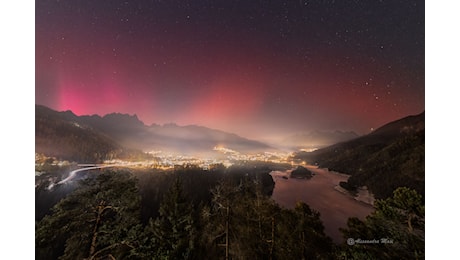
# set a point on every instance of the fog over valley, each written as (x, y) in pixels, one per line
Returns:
(77, 154)
(229, 129)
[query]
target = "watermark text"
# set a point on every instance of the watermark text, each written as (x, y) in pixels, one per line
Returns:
(352, 241)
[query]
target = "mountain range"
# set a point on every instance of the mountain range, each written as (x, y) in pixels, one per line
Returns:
(389, 157)
(64, 134)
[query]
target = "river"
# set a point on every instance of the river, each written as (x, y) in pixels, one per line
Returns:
(321, 194)
(73, 173)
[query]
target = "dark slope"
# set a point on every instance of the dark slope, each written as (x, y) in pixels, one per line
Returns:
(55, 136)
(62, 135)
(128, 131)
(390, 157)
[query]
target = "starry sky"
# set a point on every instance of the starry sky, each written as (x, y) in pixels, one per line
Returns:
(260, 69)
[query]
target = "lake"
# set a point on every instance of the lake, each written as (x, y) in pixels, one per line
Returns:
(321, 194)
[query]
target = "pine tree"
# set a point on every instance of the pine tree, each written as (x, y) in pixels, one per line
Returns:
(95, 221)
(398, 224)
(302, 233)
(172, 235)
(243, 223)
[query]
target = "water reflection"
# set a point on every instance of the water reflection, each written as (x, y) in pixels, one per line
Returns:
(321, 192)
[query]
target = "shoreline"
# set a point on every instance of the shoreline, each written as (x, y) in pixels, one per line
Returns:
(363, 195)
(321, 194)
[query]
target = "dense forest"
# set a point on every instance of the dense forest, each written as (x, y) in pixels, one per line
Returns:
(221, 213)
(390, 157)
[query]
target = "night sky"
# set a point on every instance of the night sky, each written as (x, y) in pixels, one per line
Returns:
(261, 69)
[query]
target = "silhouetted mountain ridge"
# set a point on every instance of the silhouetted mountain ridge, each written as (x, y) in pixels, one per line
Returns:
(128, 131)
(406, 125)
(389, 157)
(61, 135)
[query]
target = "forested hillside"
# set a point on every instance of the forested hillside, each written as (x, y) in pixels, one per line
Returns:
(187, 213)
(390, 157)
(222, 213)
(57, 136)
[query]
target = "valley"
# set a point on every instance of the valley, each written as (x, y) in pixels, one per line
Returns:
(219, 170)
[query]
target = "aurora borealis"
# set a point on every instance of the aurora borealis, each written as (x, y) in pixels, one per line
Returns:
(255, 68)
